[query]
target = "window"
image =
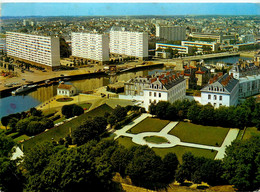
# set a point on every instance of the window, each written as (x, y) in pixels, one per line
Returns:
(209, 96)
(150, 101)
(154, 94)
(220, 104)
(220, 98)
(159, 94)
(150, 93)
(215, 97)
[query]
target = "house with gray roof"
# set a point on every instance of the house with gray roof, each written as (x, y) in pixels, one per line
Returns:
(166, 87)
(221, 91)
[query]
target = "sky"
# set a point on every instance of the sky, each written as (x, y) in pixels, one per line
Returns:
(107, 9)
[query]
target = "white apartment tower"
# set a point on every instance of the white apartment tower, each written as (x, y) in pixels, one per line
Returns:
(171, 33)
(43, 50)
(90, 46)
(129, 43)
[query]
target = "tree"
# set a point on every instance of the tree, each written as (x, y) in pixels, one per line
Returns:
(144, 168)
(170, 164)
(152, 109)
(111, 120)
(206, 115)
(12, 123)
(120, 113)
(66, 110)
(35, 112)
(34, 127)
(241, 164)
(90, 129)
(64, 48)
(38, 157)
(193, 112)
(77, 110)
(10, 176)
(120, 160)
(21, 125)
(6, 144)
(161, 108)
(4, 121)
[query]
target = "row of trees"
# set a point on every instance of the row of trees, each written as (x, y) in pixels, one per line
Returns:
(246, 114)
(29, 123)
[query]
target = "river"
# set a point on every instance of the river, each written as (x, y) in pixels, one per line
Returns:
(15, 104)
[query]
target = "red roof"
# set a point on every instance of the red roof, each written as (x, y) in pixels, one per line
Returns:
(64, 86)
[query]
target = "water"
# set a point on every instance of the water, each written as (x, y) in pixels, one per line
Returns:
(230, 60)
(15, 104)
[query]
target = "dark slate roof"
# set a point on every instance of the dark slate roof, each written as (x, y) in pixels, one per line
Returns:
(174, 82)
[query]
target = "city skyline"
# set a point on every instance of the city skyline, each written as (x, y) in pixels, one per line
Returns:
(131, 9)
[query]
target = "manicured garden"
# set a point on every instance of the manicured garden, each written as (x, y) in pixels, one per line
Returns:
(63, 130)
(179, 150)
(149, 125)
(206, 135)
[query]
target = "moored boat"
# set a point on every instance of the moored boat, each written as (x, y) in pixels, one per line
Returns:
(23, 89)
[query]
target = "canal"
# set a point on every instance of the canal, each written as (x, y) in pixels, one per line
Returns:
(19, 103)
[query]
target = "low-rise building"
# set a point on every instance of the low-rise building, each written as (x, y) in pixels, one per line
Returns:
(179, 48)
(244, 68)
(249, 85)
(222, 90)
(199, 45)
(66, 90)
(169, 88)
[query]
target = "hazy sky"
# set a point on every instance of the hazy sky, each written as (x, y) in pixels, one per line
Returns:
(89, 9)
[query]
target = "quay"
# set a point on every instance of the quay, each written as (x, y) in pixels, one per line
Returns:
(41, 77)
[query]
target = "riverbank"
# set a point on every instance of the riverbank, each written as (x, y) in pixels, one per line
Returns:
(38, 77)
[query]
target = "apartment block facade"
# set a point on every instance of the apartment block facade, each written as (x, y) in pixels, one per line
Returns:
(90, 46)
(171, 33)
(42, 50)
(199, 45)
(129, 43)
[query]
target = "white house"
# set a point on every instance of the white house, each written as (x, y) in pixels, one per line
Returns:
(66, 90)
(224, 91)
(164, 88)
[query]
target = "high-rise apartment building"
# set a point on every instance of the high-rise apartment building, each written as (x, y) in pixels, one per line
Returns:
(171, 33)
(42, 50)
(129, 43)
(90, 46)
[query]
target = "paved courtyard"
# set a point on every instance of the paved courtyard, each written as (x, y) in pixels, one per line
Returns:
(172, 140)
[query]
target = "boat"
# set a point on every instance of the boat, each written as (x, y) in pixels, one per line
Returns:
(23, 89)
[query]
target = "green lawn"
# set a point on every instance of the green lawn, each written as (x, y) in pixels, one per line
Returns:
(206, 135)
(85, 105)
(59, 120)
(126, 141)
(178, 150)
(149, 125)
(250, 132)
(63, 130)
(156, 139)
(20, 138)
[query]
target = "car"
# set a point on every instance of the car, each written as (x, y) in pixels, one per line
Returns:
(61, 75)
